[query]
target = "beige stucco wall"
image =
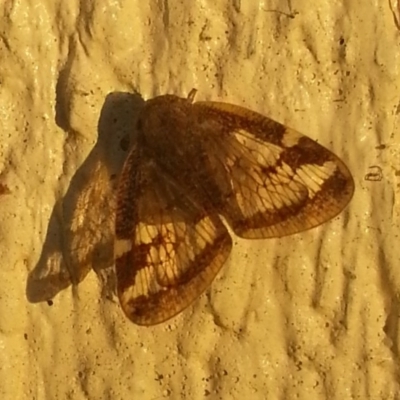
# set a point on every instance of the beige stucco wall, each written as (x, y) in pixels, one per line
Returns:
(312, 316)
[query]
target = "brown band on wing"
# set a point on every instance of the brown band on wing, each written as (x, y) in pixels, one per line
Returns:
(129, 264)
(262, 219)
(163, 304)
(337, 186)
(306, 151)
(311, 212)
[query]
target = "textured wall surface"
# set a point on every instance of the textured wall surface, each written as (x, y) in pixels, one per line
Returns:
(311, 316)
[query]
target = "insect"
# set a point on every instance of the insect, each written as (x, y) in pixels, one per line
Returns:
(193, 162)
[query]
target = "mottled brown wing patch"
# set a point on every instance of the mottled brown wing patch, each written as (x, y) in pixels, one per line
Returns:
(194, 162)
(168, 248)
(282, 182)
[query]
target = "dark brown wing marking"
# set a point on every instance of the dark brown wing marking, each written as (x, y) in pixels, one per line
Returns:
(168, 249)
(282, 182)
(194, 162)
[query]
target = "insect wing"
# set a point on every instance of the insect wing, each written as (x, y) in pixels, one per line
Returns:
(168, 248)
(281, 182)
